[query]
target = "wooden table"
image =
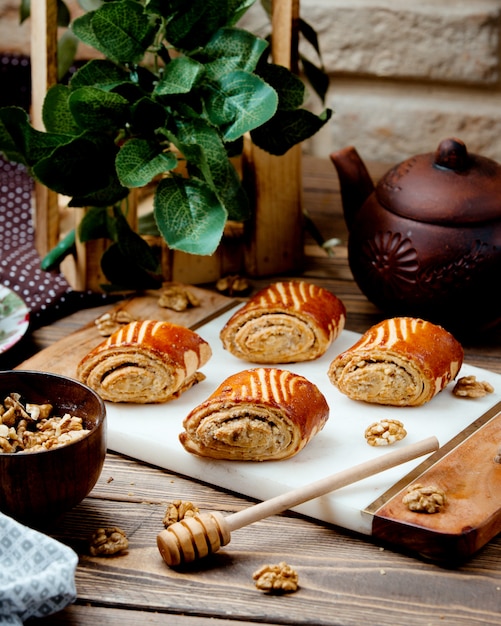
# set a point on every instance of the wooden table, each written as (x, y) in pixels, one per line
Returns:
(344, 579)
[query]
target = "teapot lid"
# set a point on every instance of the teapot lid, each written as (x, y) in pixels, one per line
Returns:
(450, 186)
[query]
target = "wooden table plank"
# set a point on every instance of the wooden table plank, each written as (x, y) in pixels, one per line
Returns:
(340, 574)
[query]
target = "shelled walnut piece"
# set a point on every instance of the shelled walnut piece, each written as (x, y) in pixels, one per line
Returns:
(28, 427)
(470, 387)
(281, 578)
(233, 285)
(108, 323)
(385, 432)
(178, 510)
(177, 298)
(108, 541)
(424, 499)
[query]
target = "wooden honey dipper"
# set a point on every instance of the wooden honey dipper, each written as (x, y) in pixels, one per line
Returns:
(196, 537)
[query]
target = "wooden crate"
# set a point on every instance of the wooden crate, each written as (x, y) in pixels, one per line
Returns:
(272, 241)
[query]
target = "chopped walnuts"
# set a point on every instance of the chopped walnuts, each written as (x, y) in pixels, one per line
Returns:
(177, 298)
(28, 427)
(108, 541)
(178, 510)
(422, 499)
(385, 432)
(279, 578)
(109, 323)
(470, 387)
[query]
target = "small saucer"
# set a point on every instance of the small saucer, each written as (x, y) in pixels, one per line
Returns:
(14, 318)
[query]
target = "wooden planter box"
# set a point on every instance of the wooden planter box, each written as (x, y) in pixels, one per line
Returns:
(270, 243)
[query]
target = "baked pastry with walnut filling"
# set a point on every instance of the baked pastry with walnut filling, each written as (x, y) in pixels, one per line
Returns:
(402, 361)
(286, 322)
(145, 362)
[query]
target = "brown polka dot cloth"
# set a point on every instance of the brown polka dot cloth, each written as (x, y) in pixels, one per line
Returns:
(47, 294)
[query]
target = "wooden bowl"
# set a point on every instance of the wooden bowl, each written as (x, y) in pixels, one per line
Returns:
(37, 487)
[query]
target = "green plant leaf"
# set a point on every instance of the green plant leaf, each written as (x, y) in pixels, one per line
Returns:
(82, 28)
(237, 9)
(111, 191)
(24, 10)
(67, 46)
(289, 87)
(139, 161)
(96, 110)
(100, 73)
(133, 245)
(318, 79)
(309, 33)
(147, 116)
(231, 49)
(189, 215)
(124, 272)
(288, 128)
(93, 224)
(122, 31)
(239, 102)
(129, 262)
(191, 24)
(199, 143)
(56, 114)
(179, 76)
(208, 159)
(20, 142)
(78, 167)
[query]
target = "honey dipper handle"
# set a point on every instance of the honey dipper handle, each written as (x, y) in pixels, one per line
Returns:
(330, 483)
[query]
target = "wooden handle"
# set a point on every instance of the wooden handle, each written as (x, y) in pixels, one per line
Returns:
(196, 537)
(330, 483)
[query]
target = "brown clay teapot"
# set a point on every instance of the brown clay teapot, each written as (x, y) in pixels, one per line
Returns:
(426, 240)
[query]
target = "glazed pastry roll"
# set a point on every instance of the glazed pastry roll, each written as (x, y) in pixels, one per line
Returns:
(401, 361)
(145, 362)
(286, 322)
(262, 414)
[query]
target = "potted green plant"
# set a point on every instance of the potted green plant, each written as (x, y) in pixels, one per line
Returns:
(178, 82)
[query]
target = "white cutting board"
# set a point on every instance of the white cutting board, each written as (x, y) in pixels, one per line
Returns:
(150, 433)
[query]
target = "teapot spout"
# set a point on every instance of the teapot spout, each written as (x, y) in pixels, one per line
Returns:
(355, 182)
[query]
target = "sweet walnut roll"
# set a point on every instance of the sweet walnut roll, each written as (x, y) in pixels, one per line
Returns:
(286, 322)
(401, 361)
(145, 362)
(261, 414)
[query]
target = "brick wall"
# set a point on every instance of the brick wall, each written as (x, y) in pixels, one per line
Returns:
(403, 75)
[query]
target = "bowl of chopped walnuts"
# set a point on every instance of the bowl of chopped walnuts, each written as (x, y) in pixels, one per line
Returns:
(52, 444)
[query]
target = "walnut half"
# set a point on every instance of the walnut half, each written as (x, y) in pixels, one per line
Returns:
(470, 387)
(177, 298)
(109, 323)
(279, 578)
(108, 541)
(421, 499)
(178, 510)
(385, 432)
